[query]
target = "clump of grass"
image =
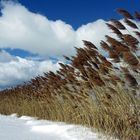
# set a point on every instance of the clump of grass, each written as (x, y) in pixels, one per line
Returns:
(90, 90)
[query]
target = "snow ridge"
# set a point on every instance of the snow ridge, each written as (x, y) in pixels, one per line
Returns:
(27, 128)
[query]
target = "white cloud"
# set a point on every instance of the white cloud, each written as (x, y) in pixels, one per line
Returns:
(15, 70)
(33, 32)
(6, 57)
(22, 29)
(94, 32)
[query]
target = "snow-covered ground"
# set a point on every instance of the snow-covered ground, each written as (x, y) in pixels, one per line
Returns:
(27, 128)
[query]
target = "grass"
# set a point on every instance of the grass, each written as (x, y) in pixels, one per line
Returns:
(90, 90)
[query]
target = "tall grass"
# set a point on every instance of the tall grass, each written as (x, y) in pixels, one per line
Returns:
(90, 90)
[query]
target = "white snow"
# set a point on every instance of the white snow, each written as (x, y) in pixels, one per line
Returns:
(27, 128)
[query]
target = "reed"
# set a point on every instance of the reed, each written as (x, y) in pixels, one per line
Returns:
(90, 90)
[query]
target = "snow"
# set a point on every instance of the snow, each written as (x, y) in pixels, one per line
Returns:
(27, 128)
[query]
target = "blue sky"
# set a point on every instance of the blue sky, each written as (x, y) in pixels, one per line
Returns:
(35, 34)
(75, 12)
(78, 12)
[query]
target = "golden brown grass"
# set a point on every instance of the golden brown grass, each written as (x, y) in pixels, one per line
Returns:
(90, 90)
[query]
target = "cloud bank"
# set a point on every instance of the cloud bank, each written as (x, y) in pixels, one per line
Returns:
(35, 33)
(15, 70)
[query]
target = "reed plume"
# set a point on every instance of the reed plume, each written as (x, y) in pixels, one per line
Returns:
(118, 24)
(125, 13)
(130, 23)
(90, 89)
(137, 15)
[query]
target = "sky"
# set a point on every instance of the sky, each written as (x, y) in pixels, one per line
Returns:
(34, 35)
(78, 12)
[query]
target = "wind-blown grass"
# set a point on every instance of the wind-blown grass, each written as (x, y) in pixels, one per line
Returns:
(90, 90)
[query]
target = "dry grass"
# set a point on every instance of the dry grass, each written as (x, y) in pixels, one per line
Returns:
(90, 90)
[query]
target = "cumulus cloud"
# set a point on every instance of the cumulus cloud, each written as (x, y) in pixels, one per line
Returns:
(15, 70)
(22, 29)
(33, 32)
(94, 32)
(6, 57)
